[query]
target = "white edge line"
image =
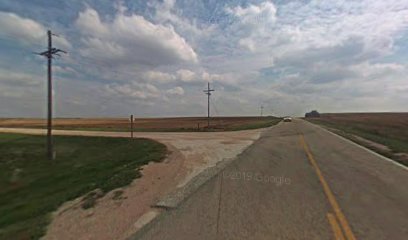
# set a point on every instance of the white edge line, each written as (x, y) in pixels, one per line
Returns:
(360, 146)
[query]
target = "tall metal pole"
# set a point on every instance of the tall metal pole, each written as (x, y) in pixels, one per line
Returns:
(49, 115)
(208, 92)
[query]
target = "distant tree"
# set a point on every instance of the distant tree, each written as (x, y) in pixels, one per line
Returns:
(311, 114)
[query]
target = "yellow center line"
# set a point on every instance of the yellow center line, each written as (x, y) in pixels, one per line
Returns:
(335, 227)
(332, 200)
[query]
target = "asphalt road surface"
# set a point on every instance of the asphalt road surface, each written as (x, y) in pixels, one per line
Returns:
(296, 182)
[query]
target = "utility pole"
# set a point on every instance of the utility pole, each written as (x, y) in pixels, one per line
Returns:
(208, 93)
(49, 55)
(262, 107)
(131, 126)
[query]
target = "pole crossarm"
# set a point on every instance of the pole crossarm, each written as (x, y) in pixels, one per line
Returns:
(51, 52)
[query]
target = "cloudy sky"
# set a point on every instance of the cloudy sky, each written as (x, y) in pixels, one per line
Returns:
(154, 58)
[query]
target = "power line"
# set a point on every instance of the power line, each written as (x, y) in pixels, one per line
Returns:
(208, 93)
(49, 54)
(214, 105)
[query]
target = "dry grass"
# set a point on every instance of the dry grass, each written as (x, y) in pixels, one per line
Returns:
(31, 187)
(387, 129)
(144, 124)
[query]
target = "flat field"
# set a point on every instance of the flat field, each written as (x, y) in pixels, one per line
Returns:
(386, 133)
(187, 124)
(31, 186)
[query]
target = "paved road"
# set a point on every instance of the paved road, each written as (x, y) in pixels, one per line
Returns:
(296, 182)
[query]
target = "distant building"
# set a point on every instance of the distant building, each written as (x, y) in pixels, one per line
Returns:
(312, 114)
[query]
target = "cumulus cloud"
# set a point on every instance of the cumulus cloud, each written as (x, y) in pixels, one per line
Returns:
(301, 26)
(167, 13)
(20, 93)
(130, 40)
(183, 76)
(211, 77)
(64, 70)
(375, 23)
(158, 76)
(318, 51)
(134, 90)
(186, 75)
(18, 78)
(176, 91)
(253, 22)
(377, 70)
(255, 15)
(26, 31)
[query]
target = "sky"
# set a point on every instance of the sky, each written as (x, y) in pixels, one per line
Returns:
(154, 58)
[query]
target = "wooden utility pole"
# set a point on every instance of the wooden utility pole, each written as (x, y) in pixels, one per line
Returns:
(262, 107)
(131, 126)
(50, 151)
(208, 93)
(49, 55)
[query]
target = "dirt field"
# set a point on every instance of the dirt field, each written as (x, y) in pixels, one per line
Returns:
(386, 133)
(145, 124)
